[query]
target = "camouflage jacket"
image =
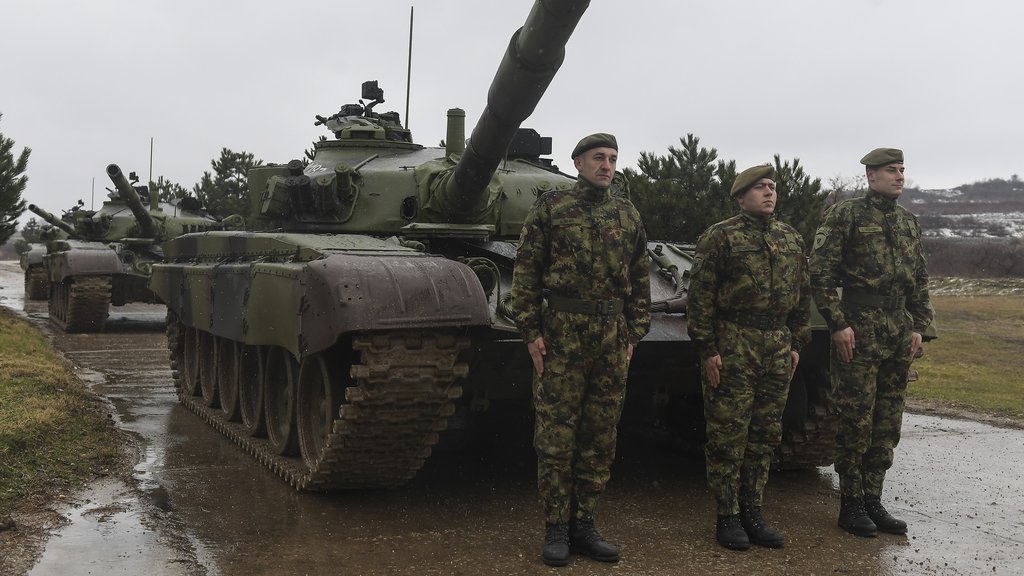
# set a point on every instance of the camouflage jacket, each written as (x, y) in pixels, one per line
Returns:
(748, 265)
(871, 244)
(582, 243)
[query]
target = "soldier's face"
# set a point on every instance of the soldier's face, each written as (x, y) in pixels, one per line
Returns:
(597, 166)
(760, 198)
(886, 180)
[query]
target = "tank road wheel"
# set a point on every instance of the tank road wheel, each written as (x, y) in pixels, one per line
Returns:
(365, 412)
(250, 389)
(279, 384)
(228, 370)
(320, 395)
(190, 363)
(81, 304)
(207, 352)
(175, 346)
(37, 284)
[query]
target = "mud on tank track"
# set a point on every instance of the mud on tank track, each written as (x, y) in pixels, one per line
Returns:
(396, 401)
(80, 304)
(37, 283)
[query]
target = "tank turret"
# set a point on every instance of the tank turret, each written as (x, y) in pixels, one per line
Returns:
(51, 219)
(533, 57)
(146, 227)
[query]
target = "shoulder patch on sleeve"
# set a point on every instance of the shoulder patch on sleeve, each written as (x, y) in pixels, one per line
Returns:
(821, 236)
(698, 263)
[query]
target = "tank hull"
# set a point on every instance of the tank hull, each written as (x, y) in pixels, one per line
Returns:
(37, 283)
(305, 306)
(353, 346)
(86, 278)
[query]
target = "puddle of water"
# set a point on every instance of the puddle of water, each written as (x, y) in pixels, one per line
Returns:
(106, 534)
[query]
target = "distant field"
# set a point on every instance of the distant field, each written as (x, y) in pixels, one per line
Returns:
(978, 360)
(973, 287)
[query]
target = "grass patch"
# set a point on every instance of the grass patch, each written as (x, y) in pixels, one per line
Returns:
(976, 362)
(53, 433)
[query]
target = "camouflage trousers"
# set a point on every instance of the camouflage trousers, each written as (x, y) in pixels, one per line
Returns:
(870, 396)
(744, 413)
(578, 402)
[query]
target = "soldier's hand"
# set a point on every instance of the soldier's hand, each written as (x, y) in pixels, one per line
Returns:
(713, 369)
(845, 343)
(537, 352)
(629, 353)
(915, 344)
(796, 361)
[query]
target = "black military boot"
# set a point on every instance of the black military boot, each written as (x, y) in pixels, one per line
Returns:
(854, 519)
(588, 541)
(881, 517)
(556, 544)
(729, 532)
(758, 531)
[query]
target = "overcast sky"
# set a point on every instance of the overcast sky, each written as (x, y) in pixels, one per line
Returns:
(85, 84)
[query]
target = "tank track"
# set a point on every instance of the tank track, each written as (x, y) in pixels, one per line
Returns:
(81, 304)
(37, 284)
(400, 398)
(811, 444)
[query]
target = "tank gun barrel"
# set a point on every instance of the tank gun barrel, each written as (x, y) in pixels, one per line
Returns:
(51, 219)
(147, 229)
(533, 57)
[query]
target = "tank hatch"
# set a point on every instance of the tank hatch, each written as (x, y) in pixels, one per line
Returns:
(359, 123)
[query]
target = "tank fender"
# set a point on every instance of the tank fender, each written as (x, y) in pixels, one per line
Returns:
(82, 262)
(350, 292)
(32, 257)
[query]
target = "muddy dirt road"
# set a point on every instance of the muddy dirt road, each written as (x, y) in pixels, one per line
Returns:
(195, 505)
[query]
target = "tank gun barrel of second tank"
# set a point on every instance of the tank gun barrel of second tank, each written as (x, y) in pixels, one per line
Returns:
(51, 219)
(533, 57)
(147, 229)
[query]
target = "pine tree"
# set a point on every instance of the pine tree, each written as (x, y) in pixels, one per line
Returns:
(226, 191)
(12, 184)
(167, 191)
(681, 194)
(800, 199)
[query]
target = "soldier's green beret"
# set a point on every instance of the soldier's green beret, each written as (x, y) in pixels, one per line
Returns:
(882, 156)
(599, 140)
(750, 176)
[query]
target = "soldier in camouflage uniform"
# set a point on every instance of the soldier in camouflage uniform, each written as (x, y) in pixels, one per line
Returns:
(871, 248)
(748, 315)
(581, 299)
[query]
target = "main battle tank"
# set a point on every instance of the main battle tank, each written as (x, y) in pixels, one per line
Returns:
(335, 344)
(31, 249)
(109, 253)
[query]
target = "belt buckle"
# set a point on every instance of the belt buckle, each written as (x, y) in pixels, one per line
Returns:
(599, 308)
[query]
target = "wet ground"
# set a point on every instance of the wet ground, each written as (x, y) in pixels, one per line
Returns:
(195, 505)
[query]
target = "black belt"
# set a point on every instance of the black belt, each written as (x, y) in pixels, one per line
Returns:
(582, 306)
(873, 300)
(758, 321)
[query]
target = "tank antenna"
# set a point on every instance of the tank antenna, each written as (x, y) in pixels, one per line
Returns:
(408, 74)
(150, 158)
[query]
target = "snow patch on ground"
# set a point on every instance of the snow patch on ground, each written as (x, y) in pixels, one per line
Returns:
(945, 286)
